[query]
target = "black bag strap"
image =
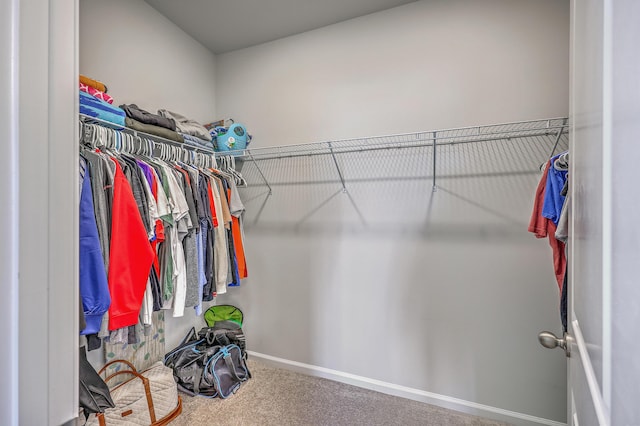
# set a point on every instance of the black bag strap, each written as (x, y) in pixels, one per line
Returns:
(186, 342)
(211, 337)
(197, 379)
(246, 366)
(191, 335)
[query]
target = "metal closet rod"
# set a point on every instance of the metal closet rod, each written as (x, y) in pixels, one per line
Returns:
(428, 142)
(533, 172)
(387, 147)
(159, 139)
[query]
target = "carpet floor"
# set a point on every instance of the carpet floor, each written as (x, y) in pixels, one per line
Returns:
(281, 397)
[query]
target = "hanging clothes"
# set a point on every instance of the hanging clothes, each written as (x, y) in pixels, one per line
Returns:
(130, 256)
(178, 229)
(167, 234)
(221, 249)
(237, 211)
(189, 242)
(94, 289)
(102, 192)
(553, 198)
(562, 231)
(543, 227)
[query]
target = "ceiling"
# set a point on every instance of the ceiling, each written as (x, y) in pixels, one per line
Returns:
(223, 26)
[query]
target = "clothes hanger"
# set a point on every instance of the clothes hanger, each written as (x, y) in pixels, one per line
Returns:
(102, 138)
(81, 131)
(242, 181)
(141, 146)
(109, 143)
(231, 169)
(89, 135)
(131, 142)
(126, 148)
(163, 152)
(151, 146)
(97, 137)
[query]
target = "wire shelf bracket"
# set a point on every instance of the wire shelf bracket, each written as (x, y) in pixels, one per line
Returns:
(344, 186)
(266, 182)
(555, 145)
(434, 188)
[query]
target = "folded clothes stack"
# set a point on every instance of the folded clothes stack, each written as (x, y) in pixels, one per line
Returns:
(93, 83)
(144, 121)
(138, 114)
(186, 125)
(94, 88)
(95, 93)
(196, 141)
(97, 108)
(95, 102)
(163, 132)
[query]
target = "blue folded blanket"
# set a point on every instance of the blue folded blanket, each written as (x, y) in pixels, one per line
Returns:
(94, 107)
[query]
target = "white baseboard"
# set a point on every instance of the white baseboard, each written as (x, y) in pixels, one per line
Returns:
(444, 401)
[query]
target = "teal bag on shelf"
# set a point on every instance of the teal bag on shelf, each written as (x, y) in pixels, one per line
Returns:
(234, 139)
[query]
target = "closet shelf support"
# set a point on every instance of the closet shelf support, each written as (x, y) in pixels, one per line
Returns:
(344, 186)
(335, 162)
(558, 135)
(434, 188)
(266, 182)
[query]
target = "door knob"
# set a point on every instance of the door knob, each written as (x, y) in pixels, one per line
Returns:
(550, 341)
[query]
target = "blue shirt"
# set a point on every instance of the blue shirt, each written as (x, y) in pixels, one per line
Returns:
(553, 201)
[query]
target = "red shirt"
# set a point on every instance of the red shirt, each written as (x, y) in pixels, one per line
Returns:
(130, 256)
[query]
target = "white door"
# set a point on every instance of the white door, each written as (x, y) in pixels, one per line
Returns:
(589, 257)
(604, 251)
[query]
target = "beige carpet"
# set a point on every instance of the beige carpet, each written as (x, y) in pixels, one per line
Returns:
(280, 397)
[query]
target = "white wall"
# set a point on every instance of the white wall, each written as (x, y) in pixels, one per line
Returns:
(145, 59)
(456, 317)
(423, 66)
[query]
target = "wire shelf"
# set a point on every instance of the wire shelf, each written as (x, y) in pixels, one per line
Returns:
(157, 139)
(466, 178)
(408, 140)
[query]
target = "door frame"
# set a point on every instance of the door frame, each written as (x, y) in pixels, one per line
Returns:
(9, 214)
(591, 123)
(39, 194)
